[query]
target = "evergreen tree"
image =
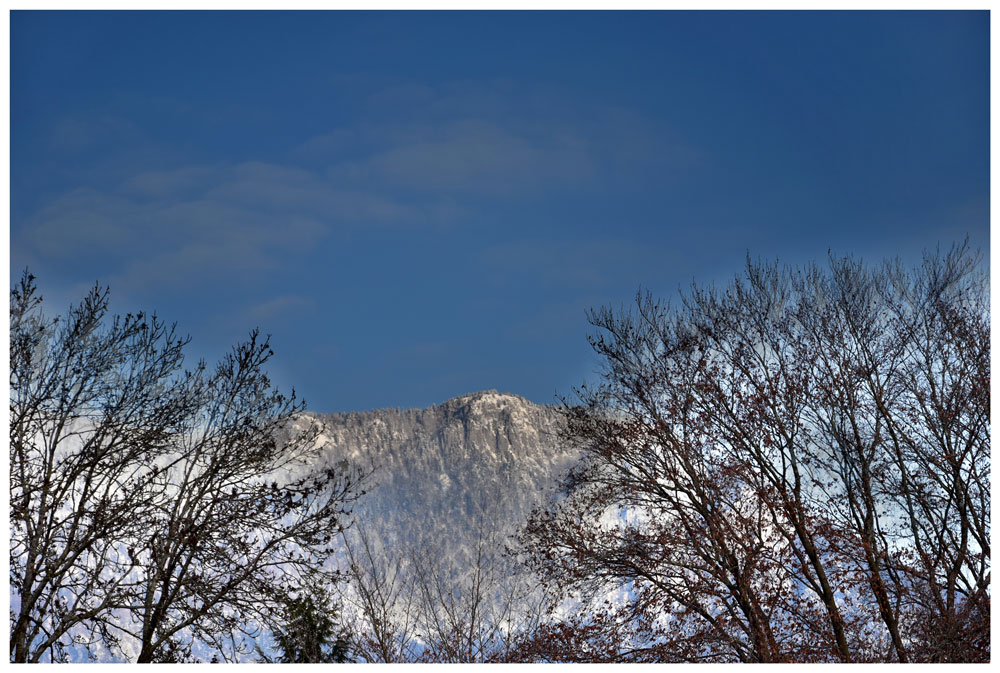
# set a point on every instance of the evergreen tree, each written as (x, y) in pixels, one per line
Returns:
(309, 633)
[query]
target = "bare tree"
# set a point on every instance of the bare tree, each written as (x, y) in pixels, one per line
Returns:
(654, 510)
(939, 457)
(152, 506)
(92, 408)
(380, 594)
(804, 458)
(430, 604)
(472, 610)
(249, 511)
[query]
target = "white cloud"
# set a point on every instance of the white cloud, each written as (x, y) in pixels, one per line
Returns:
(78, 134)
(178, 227)
(477, 156)
(493, 140)
(424, 156)
(280, 307)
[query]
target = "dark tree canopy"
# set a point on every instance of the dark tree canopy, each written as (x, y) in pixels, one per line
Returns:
(308, 632)
(792, 468)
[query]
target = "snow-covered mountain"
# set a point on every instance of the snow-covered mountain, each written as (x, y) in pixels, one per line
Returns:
(439, 471)
(426, 551)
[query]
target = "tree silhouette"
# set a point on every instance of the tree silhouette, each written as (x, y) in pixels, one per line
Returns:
(308, 632)
(795, 467)
(148, 502)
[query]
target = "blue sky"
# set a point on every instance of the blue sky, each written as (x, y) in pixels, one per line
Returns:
(421, 205)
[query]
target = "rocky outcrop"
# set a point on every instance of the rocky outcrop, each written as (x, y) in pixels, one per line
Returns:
(439, 471)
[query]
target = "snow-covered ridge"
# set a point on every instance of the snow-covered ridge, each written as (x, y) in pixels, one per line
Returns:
(439, 470)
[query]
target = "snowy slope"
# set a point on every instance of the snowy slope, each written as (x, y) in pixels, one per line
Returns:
(439, 470)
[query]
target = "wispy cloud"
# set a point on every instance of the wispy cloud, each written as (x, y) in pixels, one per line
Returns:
(281, 307)
(77, 134)
(476, 156)
(166, 242)
(425, 156)
(177, 227)
(494, 139)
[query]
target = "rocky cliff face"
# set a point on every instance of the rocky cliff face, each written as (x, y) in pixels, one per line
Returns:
(440, 471)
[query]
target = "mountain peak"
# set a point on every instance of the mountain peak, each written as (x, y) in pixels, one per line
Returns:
(439, 470)
(491, 397)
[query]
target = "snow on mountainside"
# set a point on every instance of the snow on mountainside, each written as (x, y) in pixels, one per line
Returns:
(439, 470)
